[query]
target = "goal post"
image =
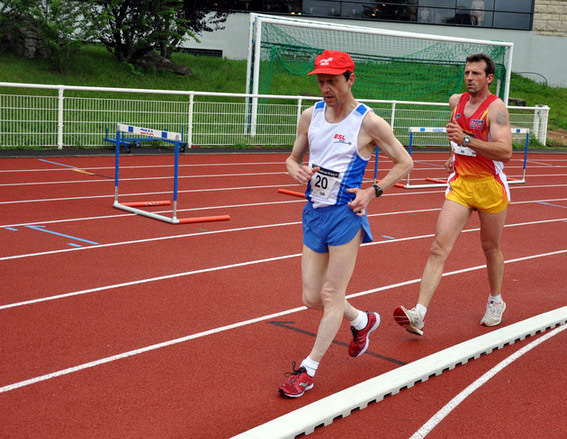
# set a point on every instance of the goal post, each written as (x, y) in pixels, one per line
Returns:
(390, 64)
(442, 182)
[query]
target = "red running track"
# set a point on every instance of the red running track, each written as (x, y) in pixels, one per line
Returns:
(118, 326)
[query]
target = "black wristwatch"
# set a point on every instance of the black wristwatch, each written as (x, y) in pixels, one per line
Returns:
(378, 190)
(466, 141)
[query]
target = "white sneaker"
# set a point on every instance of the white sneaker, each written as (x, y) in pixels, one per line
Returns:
(493, 314)
(410, 319)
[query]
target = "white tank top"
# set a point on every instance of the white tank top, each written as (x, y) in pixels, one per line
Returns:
(334, 148)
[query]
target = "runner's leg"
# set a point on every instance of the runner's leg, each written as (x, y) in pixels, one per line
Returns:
(341, 263)
(491, 227)
(452, 218)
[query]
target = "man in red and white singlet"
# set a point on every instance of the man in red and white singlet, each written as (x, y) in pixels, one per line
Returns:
(481, 142)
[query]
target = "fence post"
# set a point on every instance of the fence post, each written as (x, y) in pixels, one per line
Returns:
(60, 119)
(393, 116)
(190, 121)
(540, 123)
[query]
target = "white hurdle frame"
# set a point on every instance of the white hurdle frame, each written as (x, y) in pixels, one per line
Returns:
(413, 130)
(166, 136)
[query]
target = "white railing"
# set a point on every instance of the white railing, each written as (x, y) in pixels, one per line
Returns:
(59, 116)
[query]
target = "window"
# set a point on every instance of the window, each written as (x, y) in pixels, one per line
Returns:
(501, 14)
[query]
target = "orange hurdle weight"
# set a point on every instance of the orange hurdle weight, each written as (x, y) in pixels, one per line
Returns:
(292, 193)
(204, 219)
(436, 180)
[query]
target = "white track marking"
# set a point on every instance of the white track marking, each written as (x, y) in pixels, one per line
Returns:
(265, 226)
(239, 164)
(169, 177)
(451, 405)
(397, 194)
(233, 206)
(154, 193)
(111, 168)
(215, 330)
(201, 177)
(144, 349)
(323, 412)
(148, 280)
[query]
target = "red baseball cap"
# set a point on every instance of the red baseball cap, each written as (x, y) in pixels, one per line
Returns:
(333, 62)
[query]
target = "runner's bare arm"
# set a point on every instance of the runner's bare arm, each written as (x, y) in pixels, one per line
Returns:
(499, 146)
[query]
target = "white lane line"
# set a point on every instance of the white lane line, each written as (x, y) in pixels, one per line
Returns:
(240, 264)
(454, 403)
(142, 350)
(240, 229)
(325, 411)
(90, 197)
(148, 280)
(234, 206)
(111, 168)
(404, 193)
(167, 177)
(215, 330)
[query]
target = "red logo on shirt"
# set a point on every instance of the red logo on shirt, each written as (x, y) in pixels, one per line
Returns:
(340, 137)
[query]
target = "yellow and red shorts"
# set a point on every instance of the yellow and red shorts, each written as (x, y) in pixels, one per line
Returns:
(488, 194)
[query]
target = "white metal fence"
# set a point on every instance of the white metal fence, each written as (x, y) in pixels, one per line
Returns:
(57, 116)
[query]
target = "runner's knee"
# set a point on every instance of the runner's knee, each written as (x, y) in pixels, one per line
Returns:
(312, 301)
(439, 250)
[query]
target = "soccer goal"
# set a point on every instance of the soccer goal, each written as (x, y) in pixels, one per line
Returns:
(135, 206)
(427, 135)
(390, 64)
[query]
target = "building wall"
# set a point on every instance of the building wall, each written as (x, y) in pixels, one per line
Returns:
(537, 54)
(550, 18)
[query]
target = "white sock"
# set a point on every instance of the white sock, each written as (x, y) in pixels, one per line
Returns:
(310, 366)
(495, 299)
(360, 322)
(421, 309)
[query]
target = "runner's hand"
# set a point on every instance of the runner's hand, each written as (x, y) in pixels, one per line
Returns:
(361, 200)
(455, 133)
(305, 173)
(449, 167)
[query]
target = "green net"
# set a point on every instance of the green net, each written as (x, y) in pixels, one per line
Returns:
(388, 67)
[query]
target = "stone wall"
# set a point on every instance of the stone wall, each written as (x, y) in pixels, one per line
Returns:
(550, 18)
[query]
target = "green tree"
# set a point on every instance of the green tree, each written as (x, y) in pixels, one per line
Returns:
(131, 28)
(128, 28)
(63, 30)
(54, 29)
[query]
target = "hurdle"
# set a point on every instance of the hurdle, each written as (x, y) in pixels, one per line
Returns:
(129, 142)
(439, 182)
(134, 207)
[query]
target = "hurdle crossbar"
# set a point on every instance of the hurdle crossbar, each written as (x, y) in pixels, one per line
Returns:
(438, 182)
(128, 142)
(133, 207)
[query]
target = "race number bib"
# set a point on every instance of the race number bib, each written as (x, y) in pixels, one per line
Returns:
(323, 182)
(462, 150)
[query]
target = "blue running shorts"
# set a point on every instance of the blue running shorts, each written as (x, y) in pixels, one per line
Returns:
(332, 225)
